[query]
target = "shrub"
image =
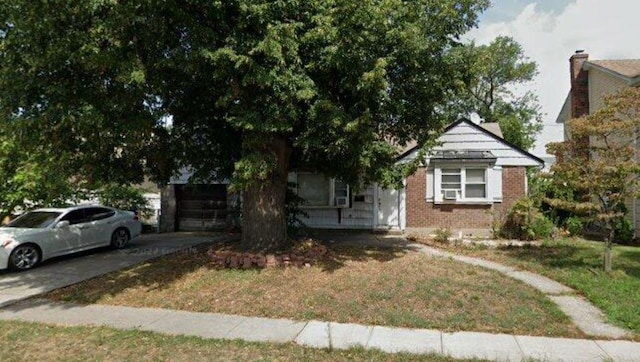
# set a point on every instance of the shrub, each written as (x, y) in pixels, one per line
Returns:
(124, 197)
(574, 225)
(623, 231)
(294, 211)
(442, 235)
(525, 222)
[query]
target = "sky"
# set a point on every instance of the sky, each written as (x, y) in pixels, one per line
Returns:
(550, 31)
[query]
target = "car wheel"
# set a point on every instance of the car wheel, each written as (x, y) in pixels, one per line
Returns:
(120, 238)
(24, 257)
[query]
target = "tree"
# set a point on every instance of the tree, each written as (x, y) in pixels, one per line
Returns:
(495, 70)
(605, 169)
(252, 88)
(30, 177)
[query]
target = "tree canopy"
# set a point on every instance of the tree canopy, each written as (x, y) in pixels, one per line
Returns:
(238, 89)
(600, 161)
(494, 72)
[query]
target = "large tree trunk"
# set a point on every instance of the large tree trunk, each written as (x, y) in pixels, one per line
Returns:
(264, 219)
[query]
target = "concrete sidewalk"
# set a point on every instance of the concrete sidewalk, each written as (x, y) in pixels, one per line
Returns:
(319, 334)
(72, 269)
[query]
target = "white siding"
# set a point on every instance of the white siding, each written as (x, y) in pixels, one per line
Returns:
(466, 137)
(358, 216)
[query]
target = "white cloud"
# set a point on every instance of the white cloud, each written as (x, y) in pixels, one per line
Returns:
(604, 29)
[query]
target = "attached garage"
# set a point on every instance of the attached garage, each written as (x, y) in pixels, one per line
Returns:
(201, 207)
(194, 207)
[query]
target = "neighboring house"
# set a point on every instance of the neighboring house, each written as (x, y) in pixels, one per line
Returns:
(470, 179)
(591, 81)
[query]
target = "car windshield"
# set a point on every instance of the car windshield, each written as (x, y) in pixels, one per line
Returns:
(35, 219)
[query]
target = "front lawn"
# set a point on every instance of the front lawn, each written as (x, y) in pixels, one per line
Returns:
(578, 264)
(391, 287)
(38, 342)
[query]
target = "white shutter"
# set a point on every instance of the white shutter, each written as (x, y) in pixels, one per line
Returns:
(437, 180)
(495, 183)
(430, 185)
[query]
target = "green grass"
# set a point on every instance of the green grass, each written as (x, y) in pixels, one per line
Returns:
(389, 287)
(21, 341)
(578, 264)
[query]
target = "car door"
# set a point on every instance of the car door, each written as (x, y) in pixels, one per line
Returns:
(69, 239)
(100, 222)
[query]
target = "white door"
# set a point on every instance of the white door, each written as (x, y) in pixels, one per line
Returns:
(388, 209)
(99, 226)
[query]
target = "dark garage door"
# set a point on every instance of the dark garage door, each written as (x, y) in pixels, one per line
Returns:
(201, 207)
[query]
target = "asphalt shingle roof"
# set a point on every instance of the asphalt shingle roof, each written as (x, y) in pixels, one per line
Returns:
(626, 67)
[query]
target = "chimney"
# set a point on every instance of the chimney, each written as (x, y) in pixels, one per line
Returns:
(579, 84)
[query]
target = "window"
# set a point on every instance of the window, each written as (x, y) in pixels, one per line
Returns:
(321, 191)
(463, 184)
(75, 217)
(341, 193)
(451, 185)
(98, 213)
(475, 185)
(314, 188)
(35, 219)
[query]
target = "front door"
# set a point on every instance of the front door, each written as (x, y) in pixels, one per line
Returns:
(388, 209)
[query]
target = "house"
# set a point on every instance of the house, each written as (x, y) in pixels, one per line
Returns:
(591, 81)
(471, 178)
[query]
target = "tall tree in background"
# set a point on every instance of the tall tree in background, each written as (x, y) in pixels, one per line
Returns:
(495, 70)
(606, 169)
(252, 88)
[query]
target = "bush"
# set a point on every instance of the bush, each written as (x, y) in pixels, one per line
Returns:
(574, 225)
(623, 231)
(125, 198)
(442, 235)
(525, 222)
(294, 211)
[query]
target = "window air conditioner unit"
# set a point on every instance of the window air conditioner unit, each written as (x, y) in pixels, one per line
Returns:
(342, 201)
(450, 194)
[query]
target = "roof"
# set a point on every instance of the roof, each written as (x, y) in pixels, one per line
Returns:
(408, 147)
(628, 69)
(463, 155)
(492, 127)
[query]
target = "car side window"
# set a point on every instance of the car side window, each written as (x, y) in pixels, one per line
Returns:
(98, 213)
(74, 217)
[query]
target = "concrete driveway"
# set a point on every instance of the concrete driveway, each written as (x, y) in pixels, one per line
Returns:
(63, 271)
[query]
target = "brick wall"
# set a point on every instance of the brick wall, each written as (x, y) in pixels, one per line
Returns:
(423, 214)
(513, 186)
(579, 85)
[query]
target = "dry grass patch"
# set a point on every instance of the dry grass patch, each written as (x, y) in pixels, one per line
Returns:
(38, 342)
(392, 287)
(577, 263)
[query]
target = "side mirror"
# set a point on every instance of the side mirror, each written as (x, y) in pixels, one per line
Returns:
(62, 224)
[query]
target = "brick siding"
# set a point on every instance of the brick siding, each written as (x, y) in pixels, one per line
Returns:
(579, 85)
(425, 214)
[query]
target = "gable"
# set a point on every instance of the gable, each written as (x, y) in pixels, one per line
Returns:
(464, 135)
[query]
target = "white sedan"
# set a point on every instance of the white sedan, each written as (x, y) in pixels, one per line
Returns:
(46, 233)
